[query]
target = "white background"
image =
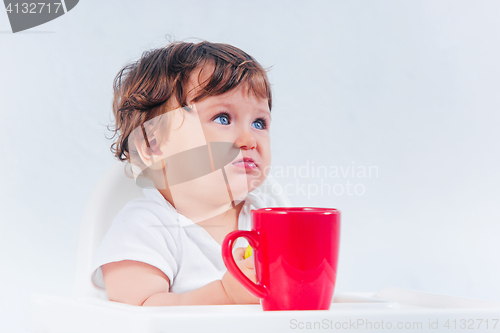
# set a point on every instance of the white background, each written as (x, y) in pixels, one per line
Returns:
(409, 87)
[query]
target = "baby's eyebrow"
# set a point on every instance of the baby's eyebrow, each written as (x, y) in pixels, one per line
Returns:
(230, 105)
(266, 112)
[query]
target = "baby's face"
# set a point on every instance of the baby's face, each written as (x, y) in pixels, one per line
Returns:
(239, 118)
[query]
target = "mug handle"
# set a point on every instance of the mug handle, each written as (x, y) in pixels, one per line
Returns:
(256, 290)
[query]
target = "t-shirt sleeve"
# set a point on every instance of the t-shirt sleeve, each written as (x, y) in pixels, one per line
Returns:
(137, 234)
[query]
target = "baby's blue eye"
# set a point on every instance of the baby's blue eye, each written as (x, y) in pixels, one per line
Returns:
(258, 124)
(223, 120)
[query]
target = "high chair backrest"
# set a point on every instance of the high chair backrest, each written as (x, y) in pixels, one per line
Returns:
(111, 193)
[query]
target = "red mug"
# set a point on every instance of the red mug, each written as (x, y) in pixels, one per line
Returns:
(295, 252)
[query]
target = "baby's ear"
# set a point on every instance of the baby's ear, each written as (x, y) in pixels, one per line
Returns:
(148, 146)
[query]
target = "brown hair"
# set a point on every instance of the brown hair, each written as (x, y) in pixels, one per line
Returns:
(142, 88)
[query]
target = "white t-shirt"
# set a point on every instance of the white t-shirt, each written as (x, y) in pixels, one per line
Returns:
(150, 230)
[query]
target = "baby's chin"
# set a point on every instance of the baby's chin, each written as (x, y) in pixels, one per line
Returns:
(245, 185)
(255, 183)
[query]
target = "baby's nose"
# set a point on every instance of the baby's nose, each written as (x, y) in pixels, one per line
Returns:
(246, 141)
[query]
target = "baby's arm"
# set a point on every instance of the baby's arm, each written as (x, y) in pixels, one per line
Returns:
(132, 282)
(137, 283)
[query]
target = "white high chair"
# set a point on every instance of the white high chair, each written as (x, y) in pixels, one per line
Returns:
(89, 310)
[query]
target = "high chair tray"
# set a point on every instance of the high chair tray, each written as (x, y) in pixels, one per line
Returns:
(391, 310)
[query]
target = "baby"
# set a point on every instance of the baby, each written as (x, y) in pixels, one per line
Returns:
(193, 122)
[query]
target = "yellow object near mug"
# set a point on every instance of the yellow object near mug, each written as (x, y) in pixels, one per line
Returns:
(248, 251)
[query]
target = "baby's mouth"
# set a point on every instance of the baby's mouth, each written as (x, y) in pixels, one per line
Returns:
(245, 162)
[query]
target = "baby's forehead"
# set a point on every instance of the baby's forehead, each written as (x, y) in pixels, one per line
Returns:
(196, 88)
(201, 77)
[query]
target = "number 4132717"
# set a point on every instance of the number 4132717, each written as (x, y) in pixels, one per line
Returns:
(471, 323)
(34, 8)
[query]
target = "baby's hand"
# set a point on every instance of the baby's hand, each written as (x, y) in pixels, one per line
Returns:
(234, 290)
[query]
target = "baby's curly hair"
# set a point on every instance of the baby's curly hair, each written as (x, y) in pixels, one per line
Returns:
(142, 88)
